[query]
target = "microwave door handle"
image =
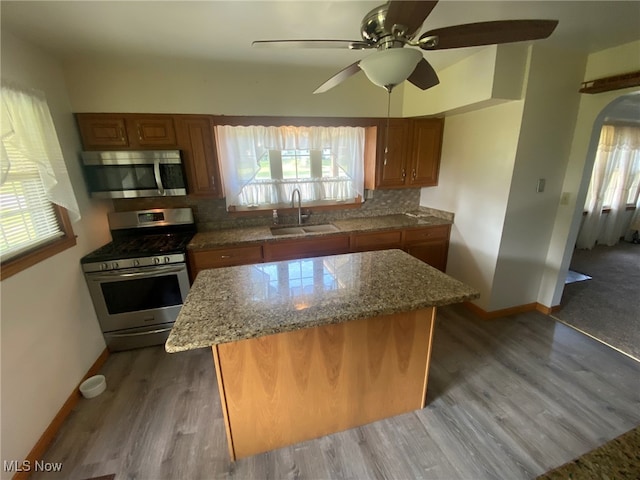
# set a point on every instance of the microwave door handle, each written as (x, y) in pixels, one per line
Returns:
(156, 173)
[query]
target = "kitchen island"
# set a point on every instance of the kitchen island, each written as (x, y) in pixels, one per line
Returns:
(303, 348)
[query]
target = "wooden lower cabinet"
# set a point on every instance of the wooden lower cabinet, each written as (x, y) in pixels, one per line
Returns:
(363, 242)
(223, 257)
(429, 244)
(305, 247)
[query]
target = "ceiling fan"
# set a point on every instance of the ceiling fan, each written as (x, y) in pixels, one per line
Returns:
(392, 26)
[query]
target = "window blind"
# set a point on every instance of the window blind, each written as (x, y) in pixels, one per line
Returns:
(27, 217)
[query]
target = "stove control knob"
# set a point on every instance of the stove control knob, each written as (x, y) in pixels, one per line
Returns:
(156, 260)
(104, 266)
(136, 263)
(167, 260)
(115, 265)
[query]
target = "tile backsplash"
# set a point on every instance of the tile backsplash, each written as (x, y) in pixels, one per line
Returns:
(211, 214)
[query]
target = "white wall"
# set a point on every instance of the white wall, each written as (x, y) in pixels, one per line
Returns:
(183, 86)
(491, 161)
(613, 61)
(548, 121)
(475, 177)
(490, 76)
(50, 334)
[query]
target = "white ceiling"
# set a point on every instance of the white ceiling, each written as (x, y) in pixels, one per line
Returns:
(223, 30)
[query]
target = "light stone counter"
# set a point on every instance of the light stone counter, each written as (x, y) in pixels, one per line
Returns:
(235, 236)
(249, 301)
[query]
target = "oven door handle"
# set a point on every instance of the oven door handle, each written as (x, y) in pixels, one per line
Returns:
(155, 271)
(138, 334)
(156, 173)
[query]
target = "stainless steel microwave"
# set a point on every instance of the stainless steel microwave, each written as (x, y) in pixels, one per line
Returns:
(131, 174)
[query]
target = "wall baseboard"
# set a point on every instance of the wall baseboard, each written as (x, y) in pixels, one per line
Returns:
(39, 449)
(529, 307)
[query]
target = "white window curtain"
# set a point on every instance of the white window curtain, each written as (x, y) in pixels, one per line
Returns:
(32, 172)
(241, 147)
(615, 172)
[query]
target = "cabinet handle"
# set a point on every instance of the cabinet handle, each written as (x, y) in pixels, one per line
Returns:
(139, 132)
(413, 174)
(122, 134)
(225, 256)
(404, 173)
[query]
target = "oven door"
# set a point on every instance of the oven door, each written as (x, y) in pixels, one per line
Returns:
(138, 298)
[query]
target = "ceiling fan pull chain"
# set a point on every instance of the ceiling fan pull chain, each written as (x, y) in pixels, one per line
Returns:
(386, 133)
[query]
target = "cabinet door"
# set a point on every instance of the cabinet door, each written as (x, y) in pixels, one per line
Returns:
(196, 140)
(429, 244)
(425, 152)
(223, 257)
(433, 253)
(102, 131)
(391, 169)
(364, 242)
(306, 247)
(152, 130)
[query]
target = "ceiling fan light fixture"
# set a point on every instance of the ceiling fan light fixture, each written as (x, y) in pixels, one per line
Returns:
(388, 68)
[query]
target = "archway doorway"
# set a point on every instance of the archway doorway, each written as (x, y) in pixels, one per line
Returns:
(606, 306)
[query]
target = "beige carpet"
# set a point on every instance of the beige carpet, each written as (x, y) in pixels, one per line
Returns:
(607, 307)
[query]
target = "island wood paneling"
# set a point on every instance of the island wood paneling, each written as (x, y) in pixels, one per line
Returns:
(282, 389)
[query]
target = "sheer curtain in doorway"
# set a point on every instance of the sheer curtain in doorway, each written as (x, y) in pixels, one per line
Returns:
(615, 183)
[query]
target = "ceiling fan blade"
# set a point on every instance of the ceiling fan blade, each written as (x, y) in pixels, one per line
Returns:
(339, 77)
(488, 33)
(424, 76)
(350, 44)
(409, 14)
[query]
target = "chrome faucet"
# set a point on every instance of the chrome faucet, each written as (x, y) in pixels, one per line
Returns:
(293, 198)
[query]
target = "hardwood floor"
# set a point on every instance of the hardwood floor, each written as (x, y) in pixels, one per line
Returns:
(507, 398)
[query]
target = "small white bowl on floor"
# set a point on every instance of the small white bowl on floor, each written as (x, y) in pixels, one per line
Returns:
(93, 386)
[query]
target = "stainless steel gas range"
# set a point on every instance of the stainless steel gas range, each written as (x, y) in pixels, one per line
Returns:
(139, 281)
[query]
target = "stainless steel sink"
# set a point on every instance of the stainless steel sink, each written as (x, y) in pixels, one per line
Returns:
(327, 227)
(287, 231)
(302, 230)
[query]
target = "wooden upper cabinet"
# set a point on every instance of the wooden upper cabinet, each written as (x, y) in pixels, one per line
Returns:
(391, 157)
(424, 156)
(196, 140)
(413, 153)
(152, 130)
(191, 134)
(117, 131)
(102, 130)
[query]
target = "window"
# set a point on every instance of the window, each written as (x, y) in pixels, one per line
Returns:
(34, 185)
(616, 172)
(614, 186)
(615, 182)
(262, 166)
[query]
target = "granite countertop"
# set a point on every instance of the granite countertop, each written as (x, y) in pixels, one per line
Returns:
(616, 459)
(236, 303)
(234, 236)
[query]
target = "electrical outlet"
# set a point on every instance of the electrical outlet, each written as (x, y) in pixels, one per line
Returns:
(540, 185)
